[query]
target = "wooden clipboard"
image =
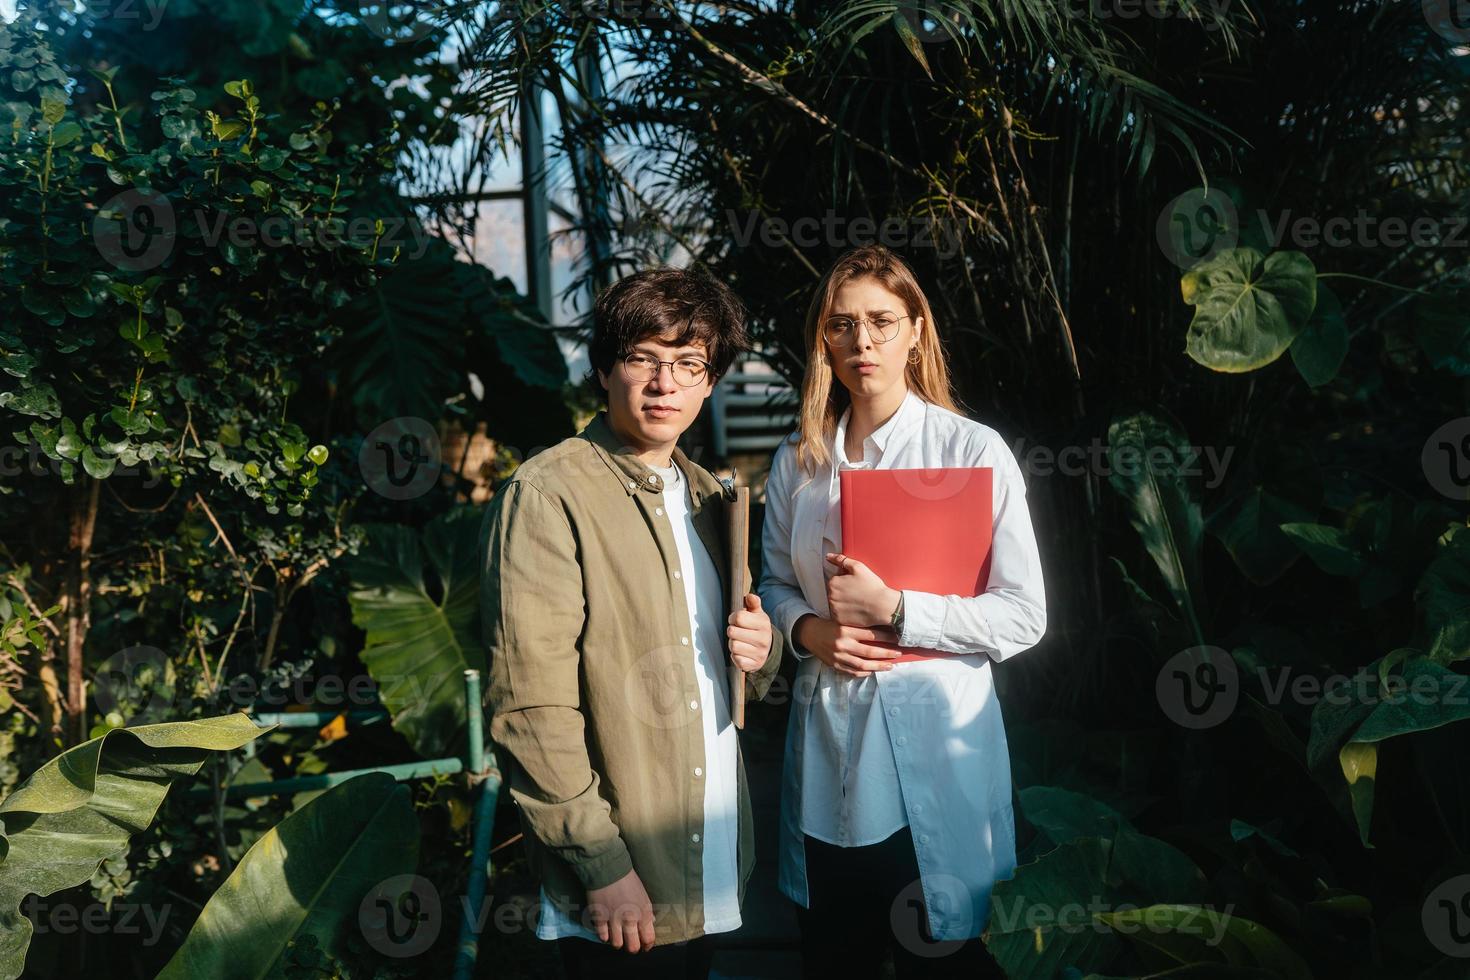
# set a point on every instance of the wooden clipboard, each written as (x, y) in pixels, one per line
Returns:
(738, 520)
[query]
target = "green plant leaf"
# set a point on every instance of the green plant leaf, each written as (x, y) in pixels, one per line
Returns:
(1190, 934)
(1161, 504)
(306, 877)
(418, 647)
(83, 806)
(1318, 351)
(1248, 309)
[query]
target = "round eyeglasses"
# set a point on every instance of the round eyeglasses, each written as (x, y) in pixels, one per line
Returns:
(839, 331)
(687, 371)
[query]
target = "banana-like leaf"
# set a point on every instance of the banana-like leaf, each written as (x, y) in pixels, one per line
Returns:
(307, 877)
(419, 641)
(1443, 597)
(83, 806)
(1191, 934)
(1161, 505)
(1248, 307)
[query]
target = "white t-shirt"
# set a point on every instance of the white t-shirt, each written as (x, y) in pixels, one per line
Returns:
(706, 603)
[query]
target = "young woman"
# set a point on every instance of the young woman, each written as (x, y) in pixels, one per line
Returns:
(896, 812)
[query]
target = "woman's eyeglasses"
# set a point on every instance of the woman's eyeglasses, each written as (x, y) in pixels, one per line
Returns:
(687, 371)
(839, 331)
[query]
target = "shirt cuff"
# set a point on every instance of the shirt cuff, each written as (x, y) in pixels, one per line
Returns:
(923, 620)
(790, 612)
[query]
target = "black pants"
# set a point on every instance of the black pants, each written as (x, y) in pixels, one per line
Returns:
(865, 901)
(582, 959)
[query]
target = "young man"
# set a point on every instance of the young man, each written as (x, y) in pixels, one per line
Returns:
(609, 646)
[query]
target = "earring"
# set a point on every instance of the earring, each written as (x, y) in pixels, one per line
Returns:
(914, 356)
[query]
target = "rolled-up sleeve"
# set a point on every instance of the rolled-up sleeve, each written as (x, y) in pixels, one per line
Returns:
(532, 605)
(778, 589)
(1010, 615)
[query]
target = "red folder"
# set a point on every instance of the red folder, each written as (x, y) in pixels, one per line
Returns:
(921, 529)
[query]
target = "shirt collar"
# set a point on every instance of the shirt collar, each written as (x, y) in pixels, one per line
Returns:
(909, 412)
(632, 472)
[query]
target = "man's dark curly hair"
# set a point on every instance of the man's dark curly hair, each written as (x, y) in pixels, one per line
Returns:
(689, 306)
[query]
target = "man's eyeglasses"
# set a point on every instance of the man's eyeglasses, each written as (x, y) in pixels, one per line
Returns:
(840, 330)
(687, 371)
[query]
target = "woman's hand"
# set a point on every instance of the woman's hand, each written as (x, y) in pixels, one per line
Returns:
(856, 595)
(846, 649)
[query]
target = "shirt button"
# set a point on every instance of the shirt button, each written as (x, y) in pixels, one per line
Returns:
(918, 808)
(893, 712)
(632, 485)
(698, 771)
(678, 575)
(694, 837)
(903, 740)
(693, 705)
(923, 838)
(684, 640)
(659, 511)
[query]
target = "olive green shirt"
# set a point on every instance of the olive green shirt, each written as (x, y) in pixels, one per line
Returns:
(592, 674)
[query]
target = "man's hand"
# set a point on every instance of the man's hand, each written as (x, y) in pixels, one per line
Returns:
(622, 914)
(856, 596)
(749, 632)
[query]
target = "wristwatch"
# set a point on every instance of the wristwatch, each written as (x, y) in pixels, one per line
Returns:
(897, 618)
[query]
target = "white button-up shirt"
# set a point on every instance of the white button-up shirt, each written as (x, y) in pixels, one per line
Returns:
(940, 718)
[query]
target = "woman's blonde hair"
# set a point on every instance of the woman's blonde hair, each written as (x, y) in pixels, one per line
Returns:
(822, 401)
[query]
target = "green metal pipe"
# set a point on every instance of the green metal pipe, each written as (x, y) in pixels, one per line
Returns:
(326, 780)
(487, 791)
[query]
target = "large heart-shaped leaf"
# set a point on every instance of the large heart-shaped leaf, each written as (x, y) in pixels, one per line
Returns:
(1248, 308)
(83, 806)
(1161, 504)
(421, 638)
(1443, 597)
(307, 876)
(1191, 934)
